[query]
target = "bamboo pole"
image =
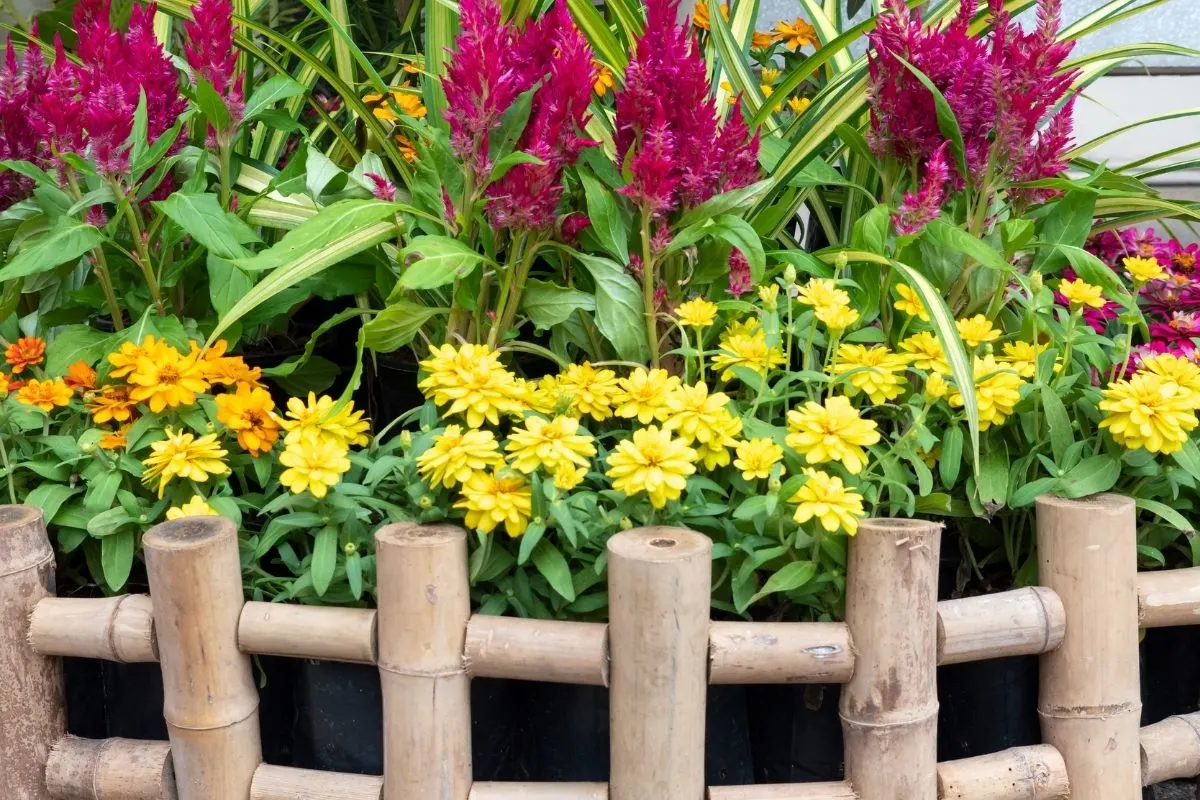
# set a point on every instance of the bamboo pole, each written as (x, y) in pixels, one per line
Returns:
(117, 628)
(780, 652)
(321, 632)
(838, 790)
(539, 791)
(285, 783)
(424, 605)
(889, 708)
(110, 769)
(1090, 700)
(32, 708)
(658, 587)
(538, 650)
(1168, 598)
(211, 704)
(1020, 773)
(1027, 621)
(1171, 749)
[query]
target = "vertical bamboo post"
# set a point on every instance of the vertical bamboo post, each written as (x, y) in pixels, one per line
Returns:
(1089, 700)
(424, 606)
(889, 707)
(658, 587)
(32, 709)
(211, 704)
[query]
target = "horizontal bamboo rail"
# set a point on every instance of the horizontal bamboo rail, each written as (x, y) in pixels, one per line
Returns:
(657, 654)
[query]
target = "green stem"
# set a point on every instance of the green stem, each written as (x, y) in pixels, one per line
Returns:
(12, 487)
(100, 266)
(648, 291)
(132, 218)
(510, 295)
(1067, 346)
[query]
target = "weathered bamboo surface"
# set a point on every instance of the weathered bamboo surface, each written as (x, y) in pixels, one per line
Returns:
(484, 790)
(1020, 773)
(538, 650)
(285, 783)
(1171, 749)
(110, 769)
(117, 628)
(780, 652)
(319, 632)
(1169, 597)
(837, 790)
(1025, 621)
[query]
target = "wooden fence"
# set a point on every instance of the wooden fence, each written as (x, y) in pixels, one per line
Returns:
(656, 655)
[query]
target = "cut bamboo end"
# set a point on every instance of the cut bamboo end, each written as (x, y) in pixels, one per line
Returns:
(1169, 598)
(424, 606)
(538, 650)
(117, 629)
(484, 790)
(780, 652)
(110, 769)
(1029, 773)
(286, 783)
(1171, 749)
(321, 632)
(839, 790)
(1028, 621)
(658, 588)
(1090, 698)
(210, 701)
(32, 707)
(889, 707)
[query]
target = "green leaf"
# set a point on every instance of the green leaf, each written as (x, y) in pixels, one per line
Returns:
(1189, 459)
(956, 239)
(75, 343)
(554, 569)
(116, 558)
(951, 458)
(329, 225)
(66, 241)
(549, 304)
(608, 221)
(512, 122)
(49, 497)
(101, 491)
(226, 283)
(993, 475)
(1057, 422)
(751, 507)
(511, 160)
(211, 104)
(1166, 514)
(443, 260)
(620, 317)
(324, 559)
(787, 579)
(270, 92)
(202, 218)
(1091, 476)
(397, 325)
(871, 230)
(1069, 222)
(738, 200)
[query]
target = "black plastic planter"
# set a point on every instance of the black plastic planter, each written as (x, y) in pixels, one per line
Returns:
(795, 733)
(987, 706)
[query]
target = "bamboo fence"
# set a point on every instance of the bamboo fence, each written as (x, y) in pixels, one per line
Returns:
(656, 655)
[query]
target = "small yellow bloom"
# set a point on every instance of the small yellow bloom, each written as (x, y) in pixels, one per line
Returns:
(471, 380)
(229, 370)
(748, 350)
(542, 396)
(408, 102)
(125, 360)
(604, 79)
(694, 414)
(4, 384)
(552, 445)
(926, 353)
(714, 451)
(910, 302)
(589, 391)
(1148, 412)
(1080, 294)
(825, 498)
(696, 313)
(248, 413)
(831, 432)
(822, 292)
(167, 379)
(196, 507)
(1180, 371)
(976, 330)
(997, 391)
(111, 404)
(1144, 270)
(756, 457)
(653, 462)
(769, 295)
(799, 105)
(761, 41)
(766, 90)
(494, 498)
(836, 318)
(314, 465)
(322, 418)
(45, 394)
(644, 395)
(456, 455)
(568, 478)
(874, 371)
(1022, 357)
(700, 16)
(115, 440)
(797, 33)
(770, 74)
(183, 455)
(936, 387)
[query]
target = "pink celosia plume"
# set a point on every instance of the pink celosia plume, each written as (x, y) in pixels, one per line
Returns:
(919, 209)
(211, 54)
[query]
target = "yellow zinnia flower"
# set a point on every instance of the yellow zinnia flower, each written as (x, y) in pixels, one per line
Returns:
(770, 74)
(825, 498)
(769, 295)
(1022, 357)
(541, 396)
(248, 413)
(977, 330)
(875, 371)
(1080, 294)
(589, 390)
(196, 507)
(1148, 412)
(45, 394)
(700, 16)
(604, 79)
(653, 462)
(997, 391)
(321, 418)
(761, 41)
(797, 33)
(456, 455)
(926, 353)
(756, 457)
(494, 498)
(1143, 270)
(408, 102)
(112, 404)
(553, 445)
(1179, 371)
(568, 478)
(167, 379)
(315, 465)
(644, 395)
(831, 432)
(746, 350)
(799, 105)
(694, 413)
(936, 387)
(696, 313)
(183, 455)
(722, 435)
(471, 380)
(910, 302)
(115, 440)
(125, 360)
(836, 318)
(822, 292)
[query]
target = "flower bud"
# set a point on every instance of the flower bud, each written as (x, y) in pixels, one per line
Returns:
(426, 502)
(1035, 281)
(774, 485)
(789, 275)
(350, 548)
(626, 523)
(406, 439)
(842, 262)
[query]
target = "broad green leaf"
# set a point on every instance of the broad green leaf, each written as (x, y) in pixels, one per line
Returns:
(226, 283)
(950, 461)
(1069, 222)
(442, 260)
(787, 579)
(1091, 476)
(202, 218)
(211, 104)
(330, 224)
(397, 324)
(75, 343)
(270, 92)
(609, 224)
(49, 497)
(1057, 422)
(738, 200)
(66, 241)
(505, 164)
(620, 317)
(954, 238)
(324, 559)
(554, 569)
(549, 304)
(1165, 513)
(116, 557)
(993, 475)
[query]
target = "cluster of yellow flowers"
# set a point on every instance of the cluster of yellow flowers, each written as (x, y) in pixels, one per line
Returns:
(1156, 407)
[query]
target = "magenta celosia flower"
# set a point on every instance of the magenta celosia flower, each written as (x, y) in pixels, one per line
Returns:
(381, 187)
(22, 85)
(572, 225)
(740, 280)
(210, 51)
(921, 208)
(667, 117)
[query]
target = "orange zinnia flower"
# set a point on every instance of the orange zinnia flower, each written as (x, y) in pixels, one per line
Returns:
(26, 352)
(45, 394)
(80, 376)
(111, 404)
